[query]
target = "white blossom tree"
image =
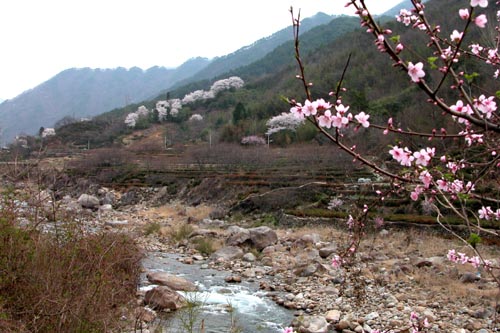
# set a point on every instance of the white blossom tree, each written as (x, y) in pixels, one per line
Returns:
(131, 119)
(284, 121)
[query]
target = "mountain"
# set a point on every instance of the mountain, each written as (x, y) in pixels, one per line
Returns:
(373, 86)
(86, 92)
(251, 53)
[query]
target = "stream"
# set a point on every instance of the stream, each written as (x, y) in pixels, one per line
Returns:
(225, 307)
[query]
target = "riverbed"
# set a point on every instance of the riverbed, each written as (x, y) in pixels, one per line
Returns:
(221, 307)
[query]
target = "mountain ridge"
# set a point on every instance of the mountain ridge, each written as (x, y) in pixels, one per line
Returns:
(93, 91)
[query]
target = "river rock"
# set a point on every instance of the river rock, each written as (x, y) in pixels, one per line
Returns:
(333, 316)
(105, 208)
(308, 240)
(313, 324)
(145, 314)
(171, 281)
(88, 201)
(227, 253)
(262, 237)
(469, 277)
(324, 252)
(164, 298)
(249, 257)
(237, 236)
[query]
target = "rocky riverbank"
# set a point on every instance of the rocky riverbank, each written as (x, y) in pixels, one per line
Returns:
(398, 272)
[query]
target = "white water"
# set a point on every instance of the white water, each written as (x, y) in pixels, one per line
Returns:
(223, 307)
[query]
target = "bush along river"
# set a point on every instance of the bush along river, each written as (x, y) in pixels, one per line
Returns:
(214, 305)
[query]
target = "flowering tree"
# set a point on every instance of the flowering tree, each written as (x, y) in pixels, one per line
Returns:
(253, 140)
(131, 119)
(447, 180)
(196, 117)
(48, 132)
(284, 121)
(218, 86)
(172, 107)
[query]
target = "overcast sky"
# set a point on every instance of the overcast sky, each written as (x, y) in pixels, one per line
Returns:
(40, 38)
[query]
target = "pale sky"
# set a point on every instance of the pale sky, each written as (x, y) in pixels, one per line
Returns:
(40, 38)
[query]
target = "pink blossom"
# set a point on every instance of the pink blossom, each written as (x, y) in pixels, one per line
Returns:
(443, 185)
(288, 330)
(448, 54)
(486, 105)
(341, 109)
(399, 48)
(405, 17)
(481, 21)
(403, 156)
(326, 119)
(475, 261)
(485, 213)
(339, 120)
(426, 178)
(297, 111)
(472, 138)
(416, 71)
(492, 56)
(453, 167)
(457, 186)
(481, 3)
(464, 14)
(362, 118)
(336, 261)
(422, 157)
(452, 255)
(416, 192)
(476, 48)
(322, 105)
(461, 108)
(456, 36)
(310, 108)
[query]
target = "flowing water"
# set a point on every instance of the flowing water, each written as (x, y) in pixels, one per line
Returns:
(224, 307)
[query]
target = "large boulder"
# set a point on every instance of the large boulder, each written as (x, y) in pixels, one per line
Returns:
(237, 236)
(164, 298)
(171, 281)
(88, 201)
(262, 237)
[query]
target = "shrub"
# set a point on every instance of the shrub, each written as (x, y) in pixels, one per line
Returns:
(181, 233)
(76, 283)
(152, 228)
(205, 246)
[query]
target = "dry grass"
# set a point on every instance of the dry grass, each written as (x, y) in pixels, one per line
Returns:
(64, 282)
